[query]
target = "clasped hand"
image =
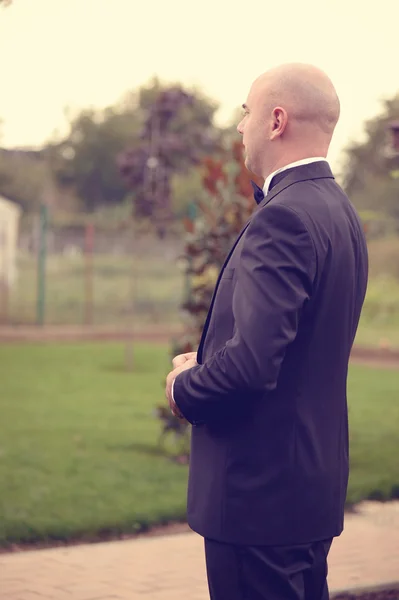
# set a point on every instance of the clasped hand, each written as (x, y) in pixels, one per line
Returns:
(182, 362)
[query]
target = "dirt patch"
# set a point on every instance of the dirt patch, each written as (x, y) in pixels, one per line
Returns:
(54, 333)
(373, 357)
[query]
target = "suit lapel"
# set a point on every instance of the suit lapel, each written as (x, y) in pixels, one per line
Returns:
(267, 198)
(208, 317)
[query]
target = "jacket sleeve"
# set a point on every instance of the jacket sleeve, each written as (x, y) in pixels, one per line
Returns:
(274, 281)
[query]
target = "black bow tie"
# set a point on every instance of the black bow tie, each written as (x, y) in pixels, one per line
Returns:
(258, 193)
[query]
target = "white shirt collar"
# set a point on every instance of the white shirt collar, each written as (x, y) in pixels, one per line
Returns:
(297, 163)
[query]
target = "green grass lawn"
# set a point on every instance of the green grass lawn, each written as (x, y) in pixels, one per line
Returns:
(78, 441)
(373, 397)
(379, 324)
(377, 334)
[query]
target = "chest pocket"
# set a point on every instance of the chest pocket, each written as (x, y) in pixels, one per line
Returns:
(222, 323)
(228, 273)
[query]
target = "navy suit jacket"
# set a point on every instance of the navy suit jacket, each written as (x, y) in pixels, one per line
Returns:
(269, 448)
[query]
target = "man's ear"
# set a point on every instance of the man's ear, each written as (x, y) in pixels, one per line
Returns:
(279, 122)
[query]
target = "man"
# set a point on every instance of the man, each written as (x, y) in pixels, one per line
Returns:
(266, 393)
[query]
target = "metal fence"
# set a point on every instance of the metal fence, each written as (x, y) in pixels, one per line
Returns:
(92, 275)
(115, 275)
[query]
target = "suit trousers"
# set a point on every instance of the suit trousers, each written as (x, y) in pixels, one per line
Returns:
(267, 572)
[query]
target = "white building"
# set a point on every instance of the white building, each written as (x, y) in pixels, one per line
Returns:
(9, 222)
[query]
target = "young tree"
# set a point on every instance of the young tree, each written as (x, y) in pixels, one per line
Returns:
(177, 131)
(217, 218)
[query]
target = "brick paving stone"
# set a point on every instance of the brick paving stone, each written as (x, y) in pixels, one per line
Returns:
(173, 567)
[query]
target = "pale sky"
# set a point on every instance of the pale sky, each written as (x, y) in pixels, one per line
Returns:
(77, 53)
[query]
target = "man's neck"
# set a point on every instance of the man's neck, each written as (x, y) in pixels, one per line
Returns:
(288, 159)
(290, 165)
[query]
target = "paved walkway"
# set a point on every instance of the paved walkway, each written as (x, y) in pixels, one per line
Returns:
(172, 567)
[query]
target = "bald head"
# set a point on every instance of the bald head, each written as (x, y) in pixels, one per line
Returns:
(290, 114)
(304, 91)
